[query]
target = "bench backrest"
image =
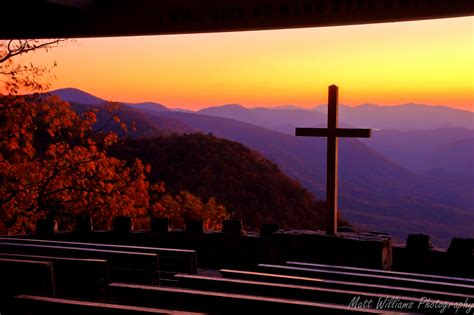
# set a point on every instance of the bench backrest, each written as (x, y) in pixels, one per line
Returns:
(314, 294)
(75, 277)
(220, 302)
(367, 278)
(343, 285)
(35, 305)
(124, 266)
(410, 275)
(24, 277)
(171, 259)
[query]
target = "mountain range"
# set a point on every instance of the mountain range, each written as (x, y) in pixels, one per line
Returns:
(381, 187)
(81, 97)
(438, 147)
(404, 117)
(448, 149)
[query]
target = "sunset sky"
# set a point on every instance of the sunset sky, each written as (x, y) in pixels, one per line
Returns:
(428, 62)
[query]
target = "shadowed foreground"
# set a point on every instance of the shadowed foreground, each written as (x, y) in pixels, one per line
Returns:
(191, 271)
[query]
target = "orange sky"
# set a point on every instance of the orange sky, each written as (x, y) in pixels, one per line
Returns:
(428, 62)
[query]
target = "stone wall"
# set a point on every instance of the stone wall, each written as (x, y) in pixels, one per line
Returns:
(234, 248)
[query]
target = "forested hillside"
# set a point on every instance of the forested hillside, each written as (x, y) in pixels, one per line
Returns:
(251, 187)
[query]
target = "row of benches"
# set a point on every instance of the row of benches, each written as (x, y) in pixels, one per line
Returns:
(82, 270)
(291, 288)
(171, 260)
(271, 289)
(41, 291)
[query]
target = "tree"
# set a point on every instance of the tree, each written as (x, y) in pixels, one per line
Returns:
(53, 164)
(184, 206)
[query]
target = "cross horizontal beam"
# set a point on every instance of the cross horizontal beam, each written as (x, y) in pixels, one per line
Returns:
(338, 132)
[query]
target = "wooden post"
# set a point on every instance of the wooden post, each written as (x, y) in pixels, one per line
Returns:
(332, 159)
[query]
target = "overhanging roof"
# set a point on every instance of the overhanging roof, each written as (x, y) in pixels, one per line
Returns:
(97, 18)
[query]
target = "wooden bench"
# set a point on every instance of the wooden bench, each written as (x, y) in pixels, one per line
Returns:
(75, 277)
(35, 305)
(343, 285)
(367, 278)
(24, 277)
(171, 260)
(308, 293)
(427, 277)
(221, 302)
(133, 267)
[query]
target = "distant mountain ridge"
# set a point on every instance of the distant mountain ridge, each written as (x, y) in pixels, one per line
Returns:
(405, 117)
(74, 95)
(149, 106)
(147, 126)
(77, 96)
(413, 148)
(449, 149)
(283, 120)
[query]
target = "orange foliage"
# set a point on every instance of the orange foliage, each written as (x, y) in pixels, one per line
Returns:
(53, 165)
(184, 206)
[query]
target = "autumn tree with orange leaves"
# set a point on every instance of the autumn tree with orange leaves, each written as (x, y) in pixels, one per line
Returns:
(185, 205)
(53, 164)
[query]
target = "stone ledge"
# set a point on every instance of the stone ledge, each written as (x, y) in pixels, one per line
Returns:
(367, 250)
(238, 249)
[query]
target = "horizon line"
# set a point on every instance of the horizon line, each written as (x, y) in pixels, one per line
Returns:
(276, 107)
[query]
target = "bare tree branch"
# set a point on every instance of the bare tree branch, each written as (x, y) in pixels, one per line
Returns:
(17, 47)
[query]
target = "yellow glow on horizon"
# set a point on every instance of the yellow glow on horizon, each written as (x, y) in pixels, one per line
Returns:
(428, 62)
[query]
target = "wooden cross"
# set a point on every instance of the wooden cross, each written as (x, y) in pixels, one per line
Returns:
(332, 133)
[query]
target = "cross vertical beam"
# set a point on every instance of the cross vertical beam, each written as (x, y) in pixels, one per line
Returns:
(332, 161)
